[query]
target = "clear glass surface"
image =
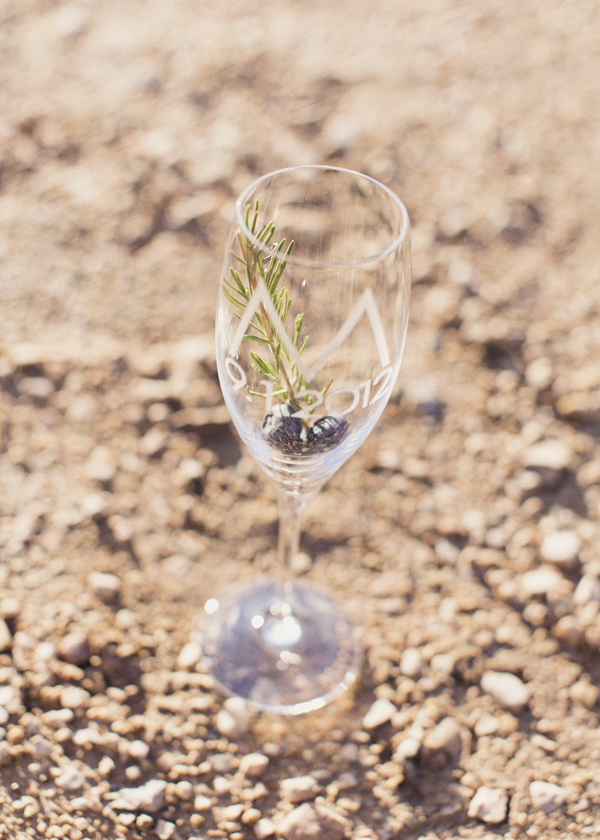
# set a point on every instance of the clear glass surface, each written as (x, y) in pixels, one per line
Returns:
(311, 324)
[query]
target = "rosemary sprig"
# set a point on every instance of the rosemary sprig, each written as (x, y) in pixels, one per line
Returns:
(279, 367)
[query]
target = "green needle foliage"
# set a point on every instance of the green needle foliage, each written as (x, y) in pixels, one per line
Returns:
(238, 290)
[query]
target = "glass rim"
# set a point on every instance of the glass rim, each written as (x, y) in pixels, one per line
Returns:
(395, 244)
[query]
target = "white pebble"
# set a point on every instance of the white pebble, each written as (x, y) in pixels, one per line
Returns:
(540, 581)
(106, 765)
(5, 636)
(138, 749)
(489, 805)
(299, 789)
(506, 689)
(539, 373)
(165, 830)
(254, 765)
(560, 547)
(233, 720)
(202, 803)
(70, 779)
(446, 737)
(546, 796)
(552, 454)
(105, 586)
(411, 663)
(380, 712)
(189, 656)
(588, 589)
(264, 828)
(317, 821)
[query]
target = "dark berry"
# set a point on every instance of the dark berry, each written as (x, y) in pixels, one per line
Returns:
(327, 433)
(283, 431)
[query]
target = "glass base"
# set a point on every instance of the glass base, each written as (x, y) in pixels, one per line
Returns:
(287, 652)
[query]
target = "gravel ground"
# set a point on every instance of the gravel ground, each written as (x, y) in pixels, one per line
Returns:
(462, 537)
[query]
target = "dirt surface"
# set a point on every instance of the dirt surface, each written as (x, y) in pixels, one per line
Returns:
(462, 537)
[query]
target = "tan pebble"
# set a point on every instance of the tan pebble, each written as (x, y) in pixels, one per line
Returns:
(104, 585)
(315, 820)
(380, 712)
(446, 737)
(5, 636)
(165, 830)
(299, 788)
(251, 816)
(138, 749)
(189, 656)
(184, 791)
(231, 813)
(507, 689)
(202, 803)
(106, 765)
(233, 720)
(545, 796)
(489, 805)
(264, 828)
(144, 821)
(584, 692)
(254, 765)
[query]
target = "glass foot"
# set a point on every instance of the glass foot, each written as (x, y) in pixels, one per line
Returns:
(286, 652)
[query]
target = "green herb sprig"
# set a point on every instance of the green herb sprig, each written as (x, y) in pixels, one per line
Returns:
(279, 367)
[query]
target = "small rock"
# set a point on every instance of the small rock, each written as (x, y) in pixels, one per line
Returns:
(73, 697)
(139, 749)
(105, 766)
(313, 821)
(561, 547)
(539, 373)
(189, 656)
(165, 830)
(41, 747)
(489, 805)
(251, 816)
(299, 789)
(407, 748)
(149, 797)
(585, 693)
(231, 813)
(56, 718)
(506, 689)
(569, 630)
(5, 636)
(104, 586)
(254, 765)
(588, 589)
(74, 648)
(540, 581)
(549, 454)
(411, 663)
(184, 791)
(380, 712)
(202, 803)
(144, 821)
(264, 828)
(546, 796)
(233, 720)
(486, 724)
(446, 737)
(70, 779)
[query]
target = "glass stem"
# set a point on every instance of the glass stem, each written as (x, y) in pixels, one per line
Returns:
(291, 507)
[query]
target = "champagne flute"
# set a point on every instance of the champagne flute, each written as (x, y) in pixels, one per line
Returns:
(311, 324)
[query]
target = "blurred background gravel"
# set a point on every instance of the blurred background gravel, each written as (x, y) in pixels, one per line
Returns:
(463, 536)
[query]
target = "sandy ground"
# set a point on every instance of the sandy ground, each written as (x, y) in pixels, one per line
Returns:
(462, 537)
